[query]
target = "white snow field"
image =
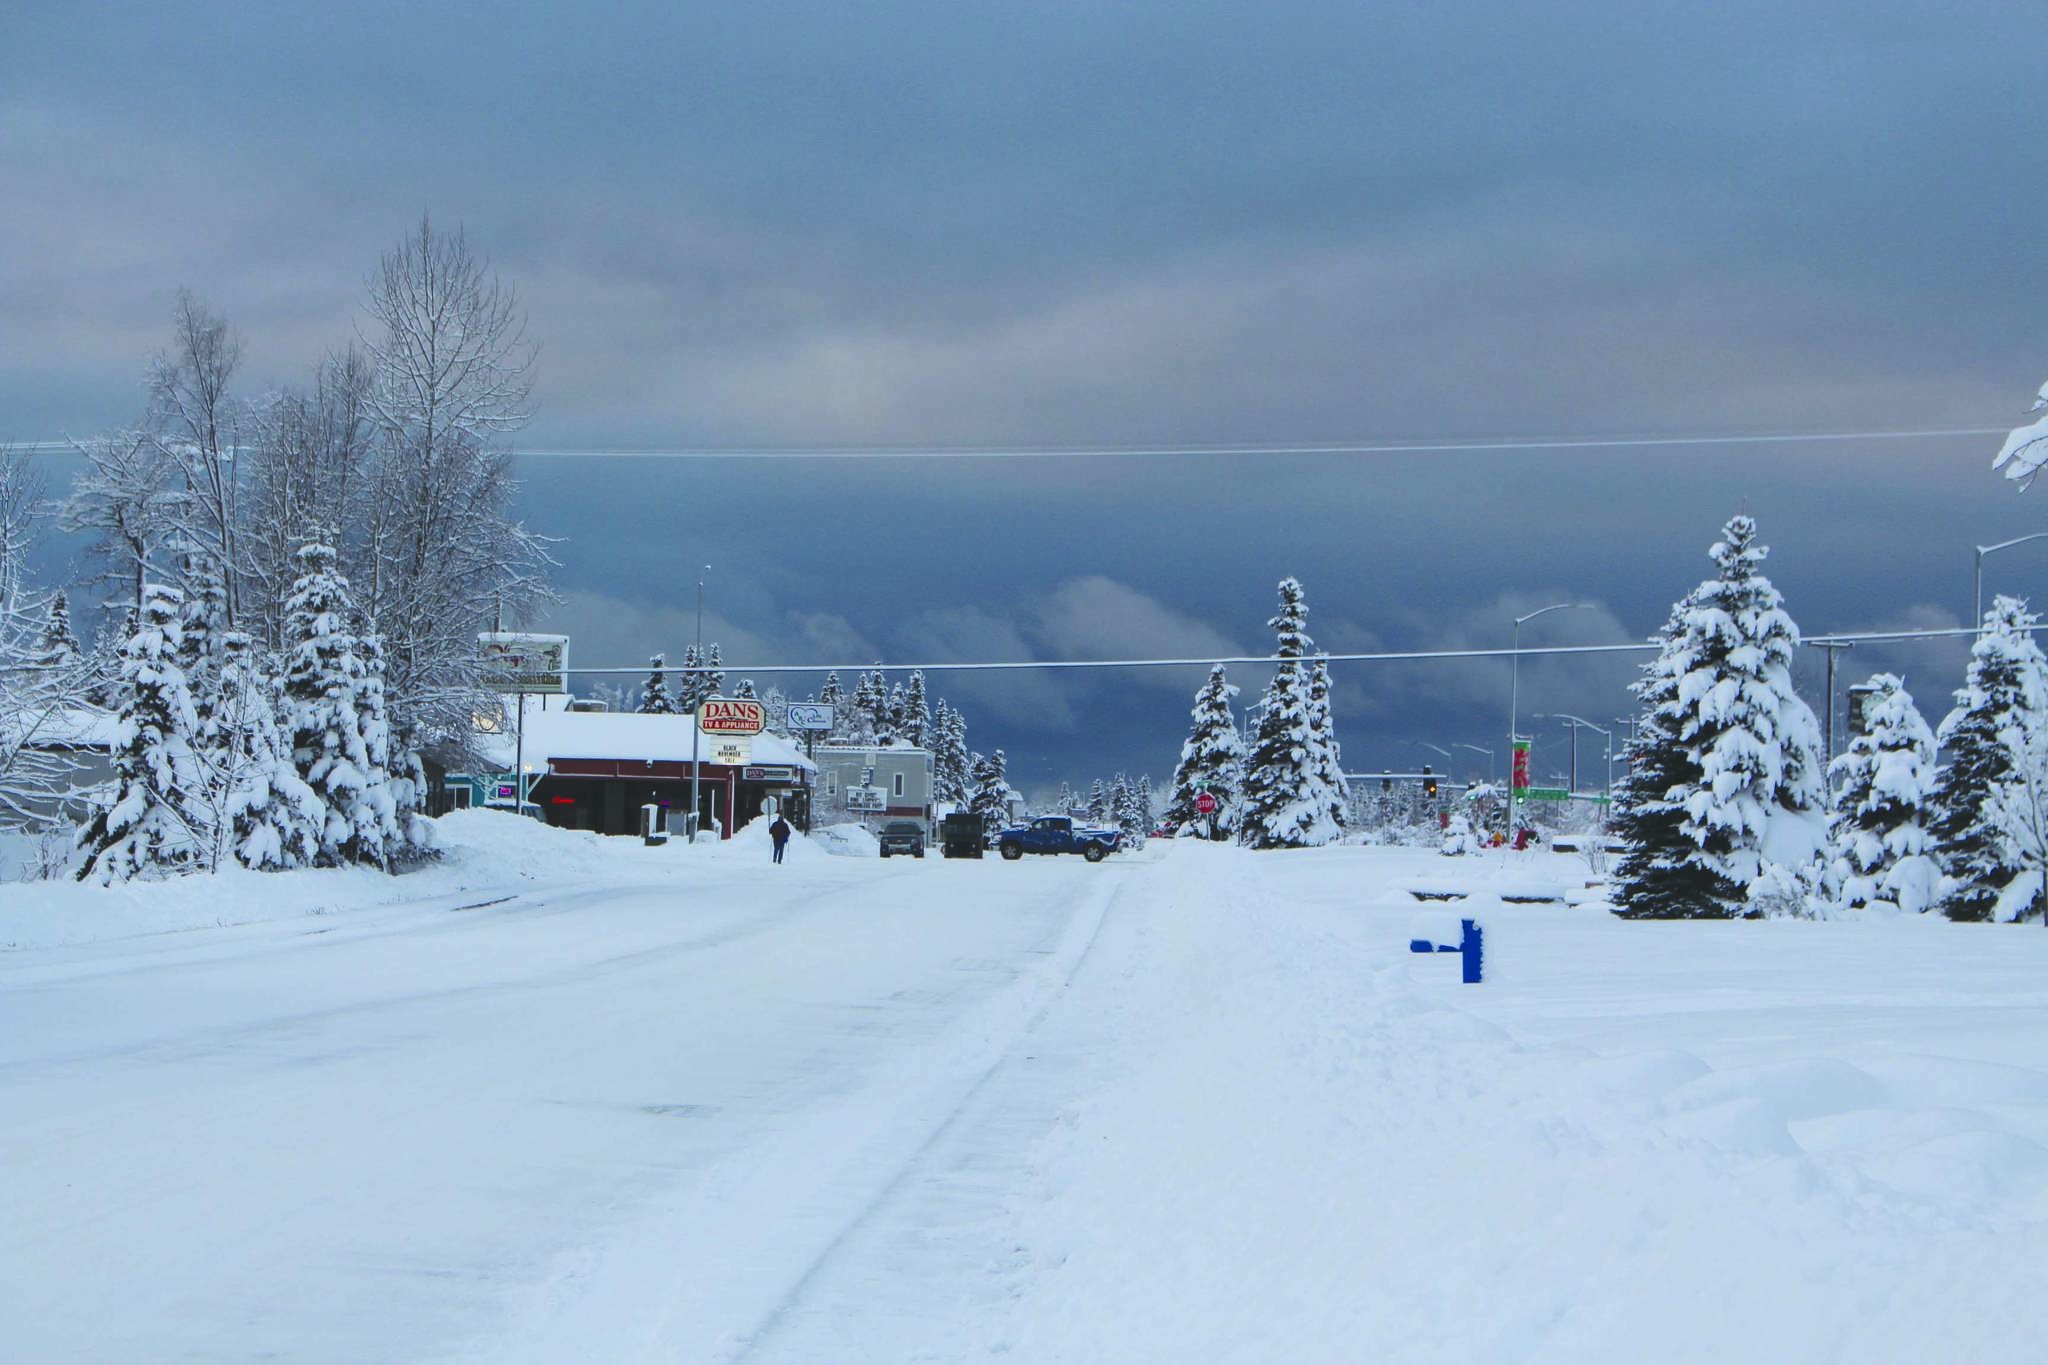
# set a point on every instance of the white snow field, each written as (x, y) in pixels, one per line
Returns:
(1193, 1104)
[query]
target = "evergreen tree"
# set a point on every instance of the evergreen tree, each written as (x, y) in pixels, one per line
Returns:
(832, 694)
(654, 697)
(915, 725)
(1326, 755)
(1141, 792)
(1755, 818)
(711, 683)
(332, 718)
(1066, 800)
(991, 791)
(1098, 802)
(951, 771)
(204, 620)
(892, 712)
(685, 690)
(1125, 812)
(1879, 847)
(2006, 689)
(1286, 804)
(58, 647)
(744, 690)
(1211, 759)
(1661, 875)
(272, 819)
(145, 830)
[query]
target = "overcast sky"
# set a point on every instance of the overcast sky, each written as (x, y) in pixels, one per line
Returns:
(1086, 224)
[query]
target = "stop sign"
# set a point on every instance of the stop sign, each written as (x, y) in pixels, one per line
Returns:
(1205, 803)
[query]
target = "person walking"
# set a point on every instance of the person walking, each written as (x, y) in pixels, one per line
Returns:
(779, 832)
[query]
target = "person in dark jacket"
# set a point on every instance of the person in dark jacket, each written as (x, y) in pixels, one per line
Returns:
(779, 832)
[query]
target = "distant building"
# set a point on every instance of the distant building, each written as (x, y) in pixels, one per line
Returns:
(595, 770)
(871, 783)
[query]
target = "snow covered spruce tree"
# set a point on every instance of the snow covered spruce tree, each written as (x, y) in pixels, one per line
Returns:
(1662, 875)
(1098, 802)
(338, 748)
(1211, 759)
(654, 695)
(1286, 800)
(915, 727)
(1326, 756)
(991, 790)
(1125, 812)
(2004, 697)
(270, 819)
(146, 829)
(1879, 849)
(952, 776)
(1728, 784)
(58, 647)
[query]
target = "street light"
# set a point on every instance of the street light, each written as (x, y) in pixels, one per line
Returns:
(1977, 621)
(1514, 685)
(1480, 749)
(1607, 787)
(697, 711)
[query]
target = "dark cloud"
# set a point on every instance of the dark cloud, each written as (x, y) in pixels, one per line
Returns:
(1076, 223)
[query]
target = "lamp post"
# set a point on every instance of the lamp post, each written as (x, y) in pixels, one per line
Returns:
(697, 710)
(1606, 786)
(1480, 749)
(1977, 621)
(1514, 685)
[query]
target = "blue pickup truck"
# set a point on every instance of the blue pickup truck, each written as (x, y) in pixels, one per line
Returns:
(1058, 834)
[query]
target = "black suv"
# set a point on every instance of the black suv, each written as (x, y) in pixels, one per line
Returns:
(903, 836)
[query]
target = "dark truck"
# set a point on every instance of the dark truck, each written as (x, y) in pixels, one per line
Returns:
(1058, 834)
(902, 836)
(960, 836)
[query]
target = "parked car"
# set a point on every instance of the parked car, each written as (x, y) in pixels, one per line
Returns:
(902, 836)
(1058, 834)
(961, 836)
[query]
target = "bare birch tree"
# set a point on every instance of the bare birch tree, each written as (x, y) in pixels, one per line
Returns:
(455, 374)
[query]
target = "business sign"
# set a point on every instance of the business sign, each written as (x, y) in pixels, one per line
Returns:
(1521, 765)
(810, 715)
(866, 798)
(731, 751)
(518, 662)
(770, 774)
(732, 716)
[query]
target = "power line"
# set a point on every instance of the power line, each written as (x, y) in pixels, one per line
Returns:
(1190, 450)
(1367, 656)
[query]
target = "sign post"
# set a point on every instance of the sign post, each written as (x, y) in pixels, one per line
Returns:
(514, 663)
(733, 721)
(1205, 804)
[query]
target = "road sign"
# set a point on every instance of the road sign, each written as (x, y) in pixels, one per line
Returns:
(1205, 803)
(1545, 794)
(732, 716)
(810, 715)
(514, 661)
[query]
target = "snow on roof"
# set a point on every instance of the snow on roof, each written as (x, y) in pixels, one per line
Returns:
(606, 734)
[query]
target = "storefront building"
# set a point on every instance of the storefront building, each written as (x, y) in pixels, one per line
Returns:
(595, 771)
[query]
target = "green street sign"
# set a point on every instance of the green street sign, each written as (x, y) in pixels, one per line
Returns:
(1545, 794)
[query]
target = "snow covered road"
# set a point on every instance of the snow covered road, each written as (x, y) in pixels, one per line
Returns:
(1194, 1104)
(356, 1141)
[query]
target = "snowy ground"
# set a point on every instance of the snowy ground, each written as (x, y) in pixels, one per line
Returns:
(1192, 1104)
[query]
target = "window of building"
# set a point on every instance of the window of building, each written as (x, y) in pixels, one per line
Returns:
(831, 782)
(898, 787)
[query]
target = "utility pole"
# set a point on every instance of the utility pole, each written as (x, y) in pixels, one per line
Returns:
(1830, 646)
(697, 711)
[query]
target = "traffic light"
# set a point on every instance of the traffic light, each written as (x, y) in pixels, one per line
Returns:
(1386, 784)
(1428, 782)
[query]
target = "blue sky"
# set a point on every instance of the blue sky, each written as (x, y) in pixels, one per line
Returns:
(896, 224)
